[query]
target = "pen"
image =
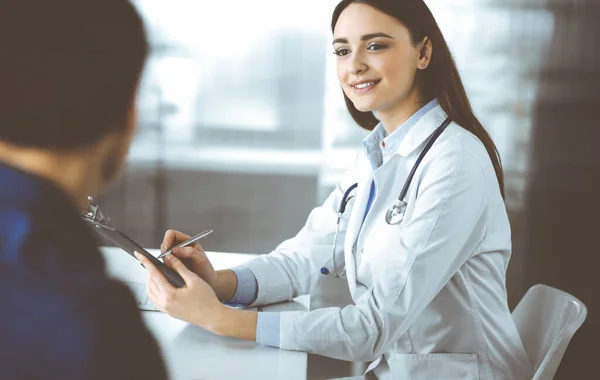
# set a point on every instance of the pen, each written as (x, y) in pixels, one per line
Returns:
(191, 241)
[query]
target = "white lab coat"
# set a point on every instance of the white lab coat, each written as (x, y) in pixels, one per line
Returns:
(430, 294)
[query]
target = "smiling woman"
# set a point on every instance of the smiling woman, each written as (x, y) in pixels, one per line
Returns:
(390, 44)
(428, 282)
(377, 70)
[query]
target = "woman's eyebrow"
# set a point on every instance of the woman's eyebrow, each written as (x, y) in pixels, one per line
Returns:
(366, 37)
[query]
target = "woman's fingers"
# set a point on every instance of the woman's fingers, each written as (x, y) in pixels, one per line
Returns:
(153, 292)
(185, 252)
(190, 253)
(172, 238)
(153, 272)
(176, 264)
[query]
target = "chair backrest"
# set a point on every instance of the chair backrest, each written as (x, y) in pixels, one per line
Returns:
(546, 319)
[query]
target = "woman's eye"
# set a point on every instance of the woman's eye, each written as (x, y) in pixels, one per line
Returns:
(376, 46)
(341, 52)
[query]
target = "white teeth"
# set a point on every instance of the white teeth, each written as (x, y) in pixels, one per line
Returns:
(364, 85)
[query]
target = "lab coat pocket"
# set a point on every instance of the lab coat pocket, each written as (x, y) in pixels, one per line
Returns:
(434, 366)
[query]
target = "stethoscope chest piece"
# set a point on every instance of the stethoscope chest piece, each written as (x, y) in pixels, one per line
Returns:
(395, 214)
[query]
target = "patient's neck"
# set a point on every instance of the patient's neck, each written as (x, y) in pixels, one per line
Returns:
(74, 172)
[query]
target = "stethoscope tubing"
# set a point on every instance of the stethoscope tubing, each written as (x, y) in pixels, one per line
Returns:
(346, 197)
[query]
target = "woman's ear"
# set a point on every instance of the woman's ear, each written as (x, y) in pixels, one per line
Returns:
(425, 51)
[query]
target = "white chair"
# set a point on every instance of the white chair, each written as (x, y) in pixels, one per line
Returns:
(546, 319)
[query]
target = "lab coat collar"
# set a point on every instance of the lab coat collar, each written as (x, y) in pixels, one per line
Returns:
(379, 146)
(422, 130)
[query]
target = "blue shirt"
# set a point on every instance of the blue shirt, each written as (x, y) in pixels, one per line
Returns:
(379, 148)
(61, 317)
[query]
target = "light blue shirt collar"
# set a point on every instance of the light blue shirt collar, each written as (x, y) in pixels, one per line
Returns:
(379, 147)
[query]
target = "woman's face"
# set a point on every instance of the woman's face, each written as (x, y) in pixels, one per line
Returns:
(376, 59)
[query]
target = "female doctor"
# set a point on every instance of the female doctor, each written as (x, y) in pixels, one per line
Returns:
(424, 253)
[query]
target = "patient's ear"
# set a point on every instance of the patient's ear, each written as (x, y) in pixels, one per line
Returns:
(131, 119)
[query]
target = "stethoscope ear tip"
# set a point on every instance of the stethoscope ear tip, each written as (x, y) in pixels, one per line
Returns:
(324, 271)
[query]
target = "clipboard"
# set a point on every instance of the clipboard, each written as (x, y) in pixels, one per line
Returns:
(93, 216)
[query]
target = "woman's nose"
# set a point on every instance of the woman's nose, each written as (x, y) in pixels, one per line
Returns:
(357, 65)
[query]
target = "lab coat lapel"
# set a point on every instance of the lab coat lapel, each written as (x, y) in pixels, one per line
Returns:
(388, 180)
(365, 177)
(421, 131)
(391, 177)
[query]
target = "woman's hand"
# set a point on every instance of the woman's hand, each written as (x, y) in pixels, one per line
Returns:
(193, 256)
(196, 302)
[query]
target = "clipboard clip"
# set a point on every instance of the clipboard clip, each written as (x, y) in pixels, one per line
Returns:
(94, 216)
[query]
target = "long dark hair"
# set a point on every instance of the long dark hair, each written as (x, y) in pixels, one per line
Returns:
(441, 79)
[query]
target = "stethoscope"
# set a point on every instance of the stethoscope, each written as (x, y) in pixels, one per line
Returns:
(394, 214)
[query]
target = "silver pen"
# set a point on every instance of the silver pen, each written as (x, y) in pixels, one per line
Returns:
(191, 241)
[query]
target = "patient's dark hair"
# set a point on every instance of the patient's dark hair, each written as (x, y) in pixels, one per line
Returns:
(439, 81)
(69, 70)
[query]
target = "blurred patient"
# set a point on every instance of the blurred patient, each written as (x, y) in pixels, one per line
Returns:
(69, 73)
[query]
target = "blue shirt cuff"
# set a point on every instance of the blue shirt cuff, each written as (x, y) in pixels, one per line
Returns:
(247, 287)
(268, 331)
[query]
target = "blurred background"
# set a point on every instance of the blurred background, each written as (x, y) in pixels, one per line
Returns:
(243, 129)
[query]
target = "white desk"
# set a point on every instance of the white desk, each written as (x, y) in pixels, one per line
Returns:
(192, 353)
